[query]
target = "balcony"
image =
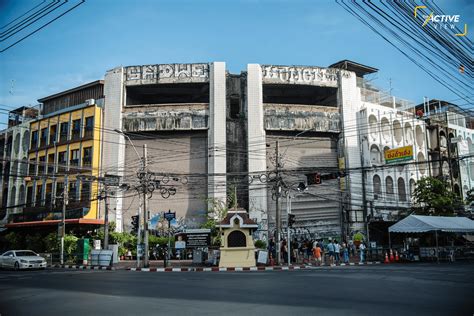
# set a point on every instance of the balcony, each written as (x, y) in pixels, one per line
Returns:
(74, 210)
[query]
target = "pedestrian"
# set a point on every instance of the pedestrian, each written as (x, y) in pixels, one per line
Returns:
(317, 254)
(345, 252)
(331, 252)
(362, 252)
(284, 251)
(337, 251)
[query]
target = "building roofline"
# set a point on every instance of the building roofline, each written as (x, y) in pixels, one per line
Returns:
(354, 66)
(84, 86)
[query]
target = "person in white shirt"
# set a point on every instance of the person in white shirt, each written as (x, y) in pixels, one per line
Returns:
(362, 252)
(337, 251)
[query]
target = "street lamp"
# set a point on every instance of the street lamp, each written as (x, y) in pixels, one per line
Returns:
(143, 182)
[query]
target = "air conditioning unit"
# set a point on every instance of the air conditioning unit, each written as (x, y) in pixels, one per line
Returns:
(90, 101)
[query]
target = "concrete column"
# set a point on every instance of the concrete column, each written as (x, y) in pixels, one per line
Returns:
(113, 145)
(217, 133)
(256, 142)
(349, 101)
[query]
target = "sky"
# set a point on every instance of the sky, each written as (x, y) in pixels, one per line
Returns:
(102, 34)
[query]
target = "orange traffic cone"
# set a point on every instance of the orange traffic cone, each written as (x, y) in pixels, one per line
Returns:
(391, 255)
(386, 257)
(397, 258)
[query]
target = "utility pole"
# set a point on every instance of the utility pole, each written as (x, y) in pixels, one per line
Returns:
(145, 209)
(106, 220)
(288, 211)
(63, 218)
(277, 199)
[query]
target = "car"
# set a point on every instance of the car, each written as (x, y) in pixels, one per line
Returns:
(22, 259)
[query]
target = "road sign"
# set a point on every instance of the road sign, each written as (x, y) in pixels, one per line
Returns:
(456, 139)
(170, 216)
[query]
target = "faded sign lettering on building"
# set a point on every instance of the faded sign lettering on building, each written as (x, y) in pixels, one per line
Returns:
(167, 73)
(302, 75)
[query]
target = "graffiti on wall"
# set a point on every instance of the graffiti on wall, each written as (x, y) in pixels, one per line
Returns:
(168, 72)
(302, 75)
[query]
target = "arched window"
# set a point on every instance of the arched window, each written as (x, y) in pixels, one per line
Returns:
(420, 136)
(389, 187)
(386, 129)
(236, 239)
(22, 195)
(422, 165)
(408, 133)
(412, 187)
(13, 196)
(375, 155)
(402, 193)
(377, 187)
(397, 131)
(373, 126)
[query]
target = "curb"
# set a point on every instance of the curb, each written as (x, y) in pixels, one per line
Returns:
(81, 267)
(243, 269)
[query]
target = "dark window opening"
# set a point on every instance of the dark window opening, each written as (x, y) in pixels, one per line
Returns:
(87, 157)
(52, 134)
(89, 129)
(74, 157)
(236, 239)
(299, 94)
(51, 163)
(168, 93)
(64, 131)
(49, 194)
(34, 139)
(62, 162)
(44, 137)
(32, 167)
(39, 195)
(41, 165)
(86, 191)
(29, 196)
(234, 108)
(76, 129)
(72, 195)
(59, 193)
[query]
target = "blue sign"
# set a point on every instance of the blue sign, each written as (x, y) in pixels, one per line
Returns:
(170, 216)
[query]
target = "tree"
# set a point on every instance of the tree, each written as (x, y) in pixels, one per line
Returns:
(432, 196)
(470, 196)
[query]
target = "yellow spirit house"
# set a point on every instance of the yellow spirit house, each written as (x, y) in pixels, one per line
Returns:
(65, 149)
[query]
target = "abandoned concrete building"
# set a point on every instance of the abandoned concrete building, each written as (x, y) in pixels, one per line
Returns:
(208, 131)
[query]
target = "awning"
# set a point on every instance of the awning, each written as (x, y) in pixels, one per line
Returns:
(421, 224)
(80, 221)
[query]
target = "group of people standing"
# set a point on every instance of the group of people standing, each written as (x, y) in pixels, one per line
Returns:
(331, 253)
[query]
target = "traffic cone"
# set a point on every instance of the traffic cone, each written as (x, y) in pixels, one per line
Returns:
(386, 257)
(397, 258)
(391, 255)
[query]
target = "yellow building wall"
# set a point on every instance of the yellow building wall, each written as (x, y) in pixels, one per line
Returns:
(95, 143)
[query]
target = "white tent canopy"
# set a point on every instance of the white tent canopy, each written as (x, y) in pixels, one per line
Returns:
(421, 224)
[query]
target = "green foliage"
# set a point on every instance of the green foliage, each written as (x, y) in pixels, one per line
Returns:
(35, 242)
(358, 236)
(51, 243)
(216, 212)
(260, 244)
(14, 240)
(433, 197)
(153, 241)
(70, 246)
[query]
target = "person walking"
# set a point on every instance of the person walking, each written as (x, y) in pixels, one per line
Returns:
(331, 252)
(362, 252)
(345, 252)
(337, 251)
(284, 251)
(317, 254)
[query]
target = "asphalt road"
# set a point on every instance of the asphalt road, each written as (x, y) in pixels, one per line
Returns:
(417, 289)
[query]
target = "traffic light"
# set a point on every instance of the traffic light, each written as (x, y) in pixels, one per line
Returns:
(135, 223)
(291, 220)
(313, 178)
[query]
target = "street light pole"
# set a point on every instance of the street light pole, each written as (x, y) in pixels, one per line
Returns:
(288, 211)
(145, 211)
(277, 199)
(106, 221)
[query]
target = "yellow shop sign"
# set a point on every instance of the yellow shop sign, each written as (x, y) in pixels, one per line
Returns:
(399, 154)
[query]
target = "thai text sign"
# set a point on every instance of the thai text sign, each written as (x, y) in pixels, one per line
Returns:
(399, 154)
